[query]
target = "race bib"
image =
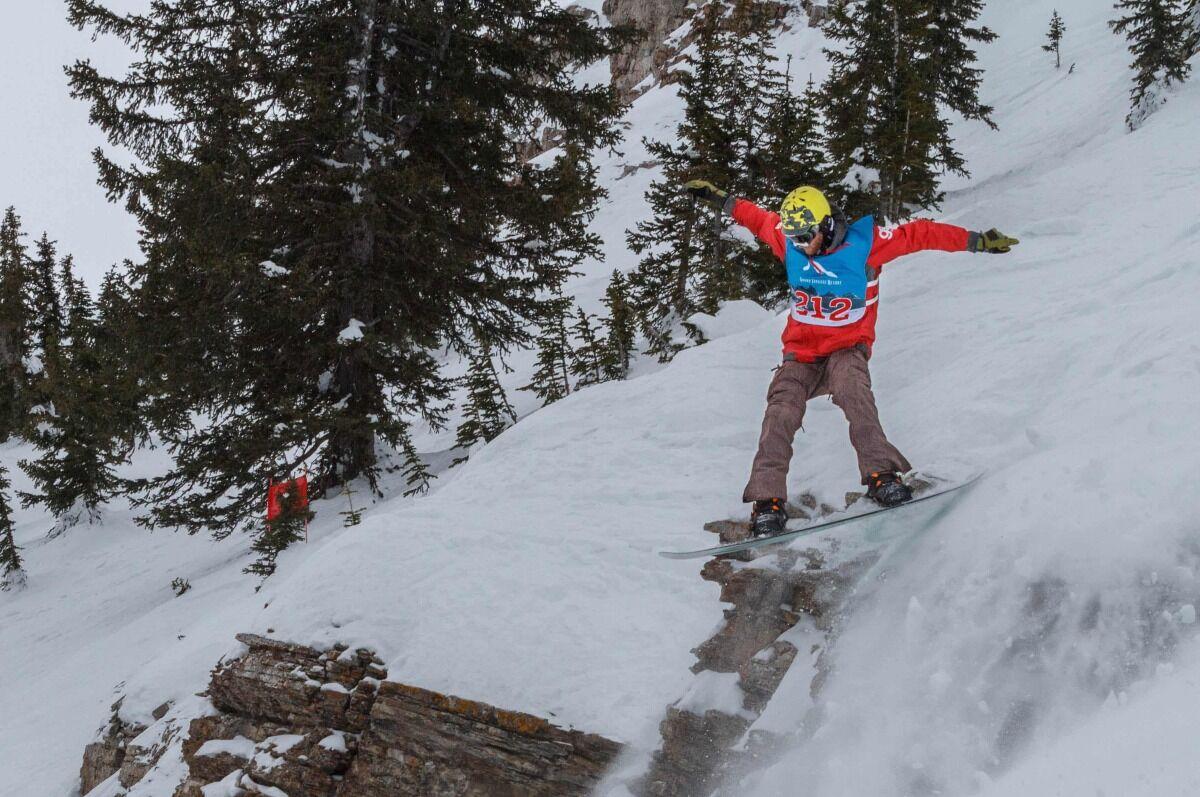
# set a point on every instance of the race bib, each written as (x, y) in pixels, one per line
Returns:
(831, 290)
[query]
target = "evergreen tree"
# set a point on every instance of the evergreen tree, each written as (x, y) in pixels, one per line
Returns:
(551, 379)
(587, 359)
(74, 473)
(689, 261)
(367, 150)
(1159, 40)
(1055, 35)
(670, 244)
(67, 283)
(117, 351)
(903, 61)
(46, 320)
(1191, 18)
(14, 324)
(487, 412)
(759, 112)
(620, 343)
(794, 156)
(415, 469)
(12, 576)
(674, 242)
(795, 132)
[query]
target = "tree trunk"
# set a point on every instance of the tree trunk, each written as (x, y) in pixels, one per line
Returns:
(352, 451)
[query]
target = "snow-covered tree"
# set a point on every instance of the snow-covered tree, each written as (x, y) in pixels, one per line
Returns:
(1191, 18)
(1160, 42)
(326, 189)
(668, 245)
(118, 351)
(12, 576)
(1055, 37)
(793, 132)
(902, 62)
(675, 241)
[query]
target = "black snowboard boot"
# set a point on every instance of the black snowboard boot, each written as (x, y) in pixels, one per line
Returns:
(886, 489)
(768, 518)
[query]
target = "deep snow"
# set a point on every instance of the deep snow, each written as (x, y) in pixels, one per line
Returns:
(1042, 616)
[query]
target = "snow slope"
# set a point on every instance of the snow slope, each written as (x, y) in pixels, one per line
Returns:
(984, 657)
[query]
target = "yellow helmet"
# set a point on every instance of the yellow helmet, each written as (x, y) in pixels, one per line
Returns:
(803, 211)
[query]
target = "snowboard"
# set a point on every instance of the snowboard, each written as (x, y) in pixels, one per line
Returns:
(939, 488)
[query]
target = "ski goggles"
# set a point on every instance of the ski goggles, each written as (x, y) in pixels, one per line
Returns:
(804, 237)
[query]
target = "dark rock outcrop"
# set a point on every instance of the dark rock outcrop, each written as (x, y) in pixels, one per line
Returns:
(425, 743)
(297, 686)
(650, 52)
(104, 757)
(653, 53)
(770, 591)
(312, 723)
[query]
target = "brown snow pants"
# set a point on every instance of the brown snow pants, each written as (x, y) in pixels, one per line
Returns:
(842, 375)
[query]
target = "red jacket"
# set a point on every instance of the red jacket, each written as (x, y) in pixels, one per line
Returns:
(807, 342)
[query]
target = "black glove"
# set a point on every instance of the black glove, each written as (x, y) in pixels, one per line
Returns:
(707, 192)
(993, 241)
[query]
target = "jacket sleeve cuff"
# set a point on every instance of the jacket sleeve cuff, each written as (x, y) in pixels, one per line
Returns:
(727, 208)
(973, 240)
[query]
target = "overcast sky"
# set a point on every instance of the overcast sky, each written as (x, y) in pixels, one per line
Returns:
(46, 169)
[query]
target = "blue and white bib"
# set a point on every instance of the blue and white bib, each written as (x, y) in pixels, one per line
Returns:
(831, 290)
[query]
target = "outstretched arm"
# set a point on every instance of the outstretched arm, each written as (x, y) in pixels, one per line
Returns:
(763, 223)
(919, 235)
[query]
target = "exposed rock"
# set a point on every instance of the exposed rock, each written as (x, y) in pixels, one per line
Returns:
(140, 758)
(649, 53)
(652, 54)
(425, 743)
(816, 13)
(760, 676)
(694, 752)
(770, 591)
(308, 723)
(104, 757)
(547, 139)
(289, 718)
(297, 686)
(633, 168)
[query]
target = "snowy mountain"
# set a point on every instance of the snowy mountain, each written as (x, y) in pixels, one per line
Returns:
(1033, 637)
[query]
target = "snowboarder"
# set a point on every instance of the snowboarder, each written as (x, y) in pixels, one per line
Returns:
(833, 272)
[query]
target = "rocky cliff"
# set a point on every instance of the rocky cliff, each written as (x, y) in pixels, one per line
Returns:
(647, 60)
(288, 719)
(784, 609)
(649, 53)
